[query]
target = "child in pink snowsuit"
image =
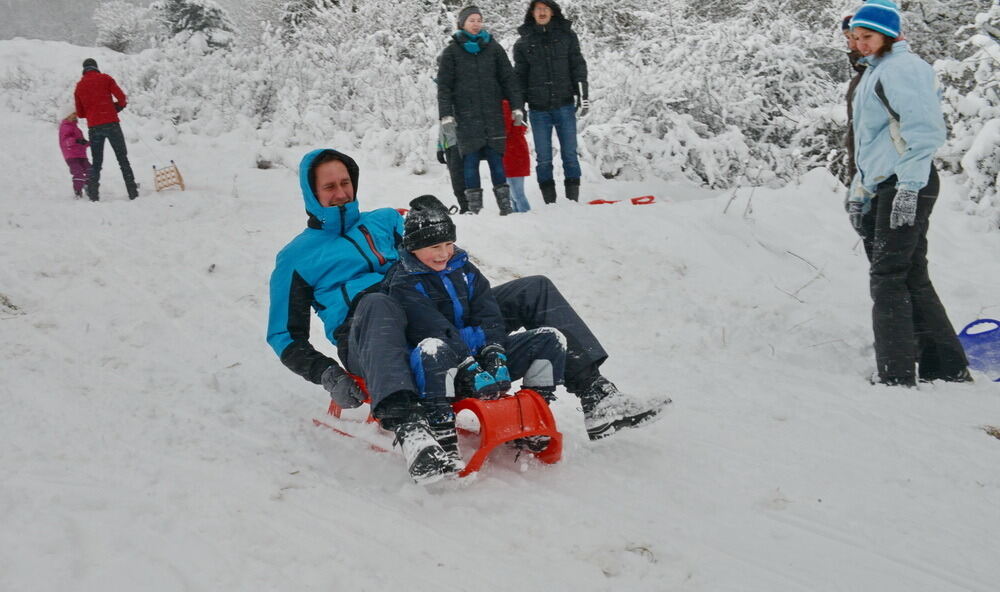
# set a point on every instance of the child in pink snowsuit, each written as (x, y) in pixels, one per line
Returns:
(74, 150)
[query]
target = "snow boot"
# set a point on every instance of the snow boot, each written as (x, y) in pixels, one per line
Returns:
(446, 435)
(502, 193)
(93, 191)
(573, 189)
(474, 197)
(133, 190)
(426, 461)
(548, 191)
(607, 410)
(536, 444)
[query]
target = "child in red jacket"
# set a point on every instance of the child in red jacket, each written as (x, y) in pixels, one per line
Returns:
(74, 150)
(516, 161)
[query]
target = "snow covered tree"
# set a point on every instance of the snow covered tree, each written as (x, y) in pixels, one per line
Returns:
(121, 26)
(196, 21)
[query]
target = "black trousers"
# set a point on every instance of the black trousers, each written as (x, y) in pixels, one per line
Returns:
(112, 132)
(376, 348)
(910, 324)
(456, 171)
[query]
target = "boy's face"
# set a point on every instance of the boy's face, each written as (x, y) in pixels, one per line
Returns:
(436, 256)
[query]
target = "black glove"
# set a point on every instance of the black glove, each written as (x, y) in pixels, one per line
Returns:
(854, 213)
(119, 107)
(343, 390)
(441, 157)
(493, 359)
(582, 102)
(82, 141)
(472, 381)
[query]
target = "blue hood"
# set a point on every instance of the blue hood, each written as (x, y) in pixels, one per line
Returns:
(335, 218)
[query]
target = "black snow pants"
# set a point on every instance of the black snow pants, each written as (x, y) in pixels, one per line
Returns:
(910, 323)
(376, 348)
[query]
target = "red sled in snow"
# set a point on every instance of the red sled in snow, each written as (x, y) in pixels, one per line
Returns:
(523, 414)
(638, 201)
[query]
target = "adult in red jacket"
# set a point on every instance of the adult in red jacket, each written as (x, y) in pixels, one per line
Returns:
(98, 100)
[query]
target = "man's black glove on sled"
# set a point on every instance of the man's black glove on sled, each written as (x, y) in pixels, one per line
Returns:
(473, 381)
(119, 107)
(493, 359)
(342, 388)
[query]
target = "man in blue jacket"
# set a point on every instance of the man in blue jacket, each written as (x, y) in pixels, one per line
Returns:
(335, 267)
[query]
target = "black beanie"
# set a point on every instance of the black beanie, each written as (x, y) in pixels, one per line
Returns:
(427, 223)
(89, 64)
(466, 13)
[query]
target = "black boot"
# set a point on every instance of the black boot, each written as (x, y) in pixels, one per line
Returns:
(463, 204)
(426, 460)
(93, 191)
(502, 193)
(573, 189)
(548, 191)
(474, 197)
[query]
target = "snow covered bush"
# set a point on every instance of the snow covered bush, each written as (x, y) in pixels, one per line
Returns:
(972, 108)
(121, 26)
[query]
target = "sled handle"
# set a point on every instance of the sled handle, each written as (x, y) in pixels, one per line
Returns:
(641, 201)
(965, 332)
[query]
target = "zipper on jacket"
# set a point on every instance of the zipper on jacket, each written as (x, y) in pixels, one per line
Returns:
(371, 244)
(362, 251)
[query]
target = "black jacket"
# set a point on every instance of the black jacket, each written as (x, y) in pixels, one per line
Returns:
(471, 88)
(548, 64)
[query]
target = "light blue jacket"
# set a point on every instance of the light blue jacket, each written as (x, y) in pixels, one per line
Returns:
(901, 138)
(342, 254)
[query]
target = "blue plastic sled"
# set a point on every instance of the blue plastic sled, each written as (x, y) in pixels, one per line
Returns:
(982, 346)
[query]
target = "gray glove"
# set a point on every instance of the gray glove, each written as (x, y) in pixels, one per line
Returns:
(904, 209)
(343, 390)
(449, 132)
(854, 209)
(518, 116)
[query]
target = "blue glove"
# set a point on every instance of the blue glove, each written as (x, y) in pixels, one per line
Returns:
(904, 209)
(344, 391)
(493, 359)
(473, 381)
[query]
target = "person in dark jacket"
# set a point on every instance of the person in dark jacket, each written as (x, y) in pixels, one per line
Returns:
(553, 76)
(461, 347)
(474, 76)
(898, 126)
(99, 100)
(335, 267)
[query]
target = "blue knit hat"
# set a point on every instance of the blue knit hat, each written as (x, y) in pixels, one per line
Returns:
(878, 15)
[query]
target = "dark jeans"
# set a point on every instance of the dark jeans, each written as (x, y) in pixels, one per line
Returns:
(563, 121)
(376, 348)
(910, 324)
(112, 132)
(471, 167)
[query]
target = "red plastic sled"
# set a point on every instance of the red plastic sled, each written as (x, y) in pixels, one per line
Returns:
(639, 201)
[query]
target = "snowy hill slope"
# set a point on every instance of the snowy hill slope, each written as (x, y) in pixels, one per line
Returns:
(149, 438)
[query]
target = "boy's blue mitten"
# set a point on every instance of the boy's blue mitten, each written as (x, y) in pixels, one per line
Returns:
(474, 381)
(493, 359)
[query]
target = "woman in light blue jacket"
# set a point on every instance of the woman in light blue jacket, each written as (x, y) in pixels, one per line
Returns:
(898, 127)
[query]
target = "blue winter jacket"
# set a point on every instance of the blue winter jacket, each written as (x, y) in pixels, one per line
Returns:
(455, 305)
(898, 125)
(343, 253)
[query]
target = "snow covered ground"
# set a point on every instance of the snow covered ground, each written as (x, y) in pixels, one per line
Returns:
(150, 440)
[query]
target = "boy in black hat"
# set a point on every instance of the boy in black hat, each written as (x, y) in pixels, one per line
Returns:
(461, 347)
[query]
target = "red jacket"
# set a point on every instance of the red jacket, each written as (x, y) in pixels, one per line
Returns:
(93, 97)
(516, 158)
(68, 136)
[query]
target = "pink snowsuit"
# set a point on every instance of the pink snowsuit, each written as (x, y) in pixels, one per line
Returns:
(75, 153)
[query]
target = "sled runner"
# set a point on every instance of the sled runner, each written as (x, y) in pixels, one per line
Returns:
(524, 414)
